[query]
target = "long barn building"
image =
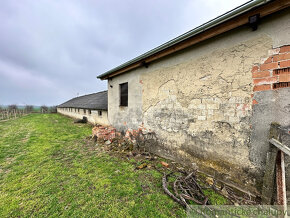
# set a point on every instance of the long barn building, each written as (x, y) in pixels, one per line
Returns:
(93, 106)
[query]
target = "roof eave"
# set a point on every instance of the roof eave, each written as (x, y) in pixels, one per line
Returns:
(136, 62)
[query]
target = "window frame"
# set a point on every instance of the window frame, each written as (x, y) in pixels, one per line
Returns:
(123, 94)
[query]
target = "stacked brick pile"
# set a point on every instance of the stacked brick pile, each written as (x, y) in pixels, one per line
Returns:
(105, 132)
(109, 133)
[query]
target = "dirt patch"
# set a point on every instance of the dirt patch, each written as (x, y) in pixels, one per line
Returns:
(9, 160)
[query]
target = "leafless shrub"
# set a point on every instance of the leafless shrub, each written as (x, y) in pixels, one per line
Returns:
(52, 109)
(12, 107)
(44, 109)
(29, 108)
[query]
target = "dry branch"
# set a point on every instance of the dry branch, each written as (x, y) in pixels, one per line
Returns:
(164, 185)
(185, 189)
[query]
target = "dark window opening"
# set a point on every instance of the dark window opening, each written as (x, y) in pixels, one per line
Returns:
(85, 111)
(100, 113)
(90, 111)
(124, 94)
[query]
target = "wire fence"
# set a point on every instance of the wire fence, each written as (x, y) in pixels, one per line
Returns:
(7, 114)
(13, 113)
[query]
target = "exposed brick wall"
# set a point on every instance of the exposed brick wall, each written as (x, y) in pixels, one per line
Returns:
(274, 72)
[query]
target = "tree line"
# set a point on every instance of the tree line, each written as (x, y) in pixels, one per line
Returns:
(14, 111)
(30, 108)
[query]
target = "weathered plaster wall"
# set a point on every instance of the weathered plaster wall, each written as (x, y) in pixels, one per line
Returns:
(199, 102)
(123, 118)
(93, 118)
(201, 109)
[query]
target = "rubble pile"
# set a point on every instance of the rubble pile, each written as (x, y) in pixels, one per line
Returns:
(105, 132)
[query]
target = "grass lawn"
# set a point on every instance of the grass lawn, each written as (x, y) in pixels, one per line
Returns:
(48, 168)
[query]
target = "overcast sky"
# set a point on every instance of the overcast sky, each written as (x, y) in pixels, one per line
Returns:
(52, 50)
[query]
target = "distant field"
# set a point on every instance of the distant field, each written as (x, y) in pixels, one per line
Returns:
(49, 168)
(35, 108)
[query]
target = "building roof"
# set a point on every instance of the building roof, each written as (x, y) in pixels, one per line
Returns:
(230, 20)
(98, 101)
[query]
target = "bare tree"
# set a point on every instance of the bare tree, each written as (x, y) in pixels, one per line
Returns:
(44, 109)
(52, 109)
(29, 108)
(12, 107)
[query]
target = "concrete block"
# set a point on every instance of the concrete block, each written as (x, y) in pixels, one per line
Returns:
(201, 118)
(212, 106)
(201, 106)
(210, 112)
(234, 119)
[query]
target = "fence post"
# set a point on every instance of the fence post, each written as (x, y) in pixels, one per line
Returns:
(275, 166)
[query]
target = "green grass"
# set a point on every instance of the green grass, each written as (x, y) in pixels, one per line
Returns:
(49, 168)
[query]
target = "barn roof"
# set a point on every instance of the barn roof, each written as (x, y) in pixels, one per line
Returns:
(97, 101)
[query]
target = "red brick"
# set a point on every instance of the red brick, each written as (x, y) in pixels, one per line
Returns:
(262, 88)
(285, 49)
(284, 78)
(254, 102)
(280, 57)
(269, 60)
(269, 66)
(261, 74)
(285, 64)
(255, 69)
(267, 80)
(164, 164)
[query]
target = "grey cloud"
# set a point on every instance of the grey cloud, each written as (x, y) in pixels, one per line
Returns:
(50, 50)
